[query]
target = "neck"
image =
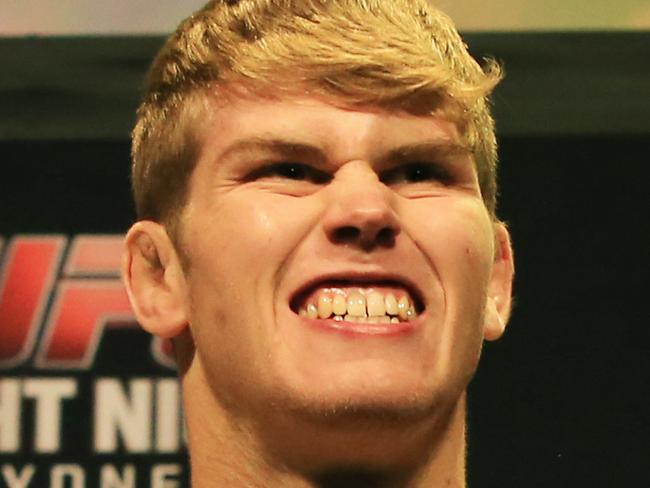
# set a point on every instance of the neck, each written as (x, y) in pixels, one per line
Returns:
(285, 451)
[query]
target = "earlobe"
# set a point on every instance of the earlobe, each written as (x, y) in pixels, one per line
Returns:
(154, 279)
(499, 301)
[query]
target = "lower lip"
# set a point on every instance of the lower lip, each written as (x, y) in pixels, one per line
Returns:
(356, 329)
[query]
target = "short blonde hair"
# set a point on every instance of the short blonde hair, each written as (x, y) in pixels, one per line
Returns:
(399, 54)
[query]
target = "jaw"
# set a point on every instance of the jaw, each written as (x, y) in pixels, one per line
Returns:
(327, 401)
(371, 437)
(310, 443)
(335, 396)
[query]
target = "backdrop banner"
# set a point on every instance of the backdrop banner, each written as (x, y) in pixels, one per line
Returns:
(86, 397)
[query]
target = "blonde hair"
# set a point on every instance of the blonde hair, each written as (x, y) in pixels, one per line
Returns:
(399, 54)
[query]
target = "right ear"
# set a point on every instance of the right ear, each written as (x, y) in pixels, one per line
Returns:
(154, 279)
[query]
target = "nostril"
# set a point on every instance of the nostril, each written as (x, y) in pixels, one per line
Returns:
(346, 234)
(386, 237)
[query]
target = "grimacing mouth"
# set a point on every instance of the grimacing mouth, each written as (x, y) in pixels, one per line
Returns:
(365, 300)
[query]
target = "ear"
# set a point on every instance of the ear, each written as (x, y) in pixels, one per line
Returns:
(154, 279)
(499, 300)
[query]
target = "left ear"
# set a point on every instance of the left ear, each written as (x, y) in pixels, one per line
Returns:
(499, 301)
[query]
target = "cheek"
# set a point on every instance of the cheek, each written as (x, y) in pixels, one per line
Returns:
(236, 251)
(456, 236)
(237, 248)
(243, 228)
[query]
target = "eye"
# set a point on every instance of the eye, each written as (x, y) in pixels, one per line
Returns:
(290, 171)
(416, 172)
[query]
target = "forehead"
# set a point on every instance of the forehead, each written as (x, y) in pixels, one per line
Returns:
(338, 129)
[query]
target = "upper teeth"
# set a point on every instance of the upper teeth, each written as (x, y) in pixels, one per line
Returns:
(359, 306)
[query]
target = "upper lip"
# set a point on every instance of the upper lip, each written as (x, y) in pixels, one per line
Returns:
(361, 278)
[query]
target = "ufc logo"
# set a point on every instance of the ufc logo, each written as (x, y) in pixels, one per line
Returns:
(59, 300)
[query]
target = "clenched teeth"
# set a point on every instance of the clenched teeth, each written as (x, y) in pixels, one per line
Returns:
(359, 306)
(339, 305)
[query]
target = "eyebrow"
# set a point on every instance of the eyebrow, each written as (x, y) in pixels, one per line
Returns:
(428, 150)
(302, 151)
(283, 147)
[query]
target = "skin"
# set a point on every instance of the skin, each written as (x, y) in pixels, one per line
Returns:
(271, 399)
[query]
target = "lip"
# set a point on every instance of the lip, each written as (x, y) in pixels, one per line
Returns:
(353, 329)
(359, 278)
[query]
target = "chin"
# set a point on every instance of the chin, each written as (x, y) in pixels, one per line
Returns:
(406, 384)
(366, 403)
(366, 411)
(372, 428)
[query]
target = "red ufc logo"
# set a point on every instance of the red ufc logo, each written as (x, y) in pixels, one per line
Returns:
(67, 306)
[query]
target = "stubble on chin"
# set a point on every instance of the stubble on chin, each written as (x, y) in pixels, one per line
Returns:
(315, 434)
(363, 412)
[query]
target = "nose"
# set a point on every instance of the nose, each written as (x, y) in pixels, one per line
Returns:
(361, 211)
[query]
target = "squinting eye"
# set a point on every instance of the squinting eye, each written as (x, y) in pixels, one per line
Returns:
(290, 171)
(415, 173)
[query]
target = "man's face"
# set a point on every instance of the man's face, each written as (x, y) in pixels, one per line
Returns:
(295, 204)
